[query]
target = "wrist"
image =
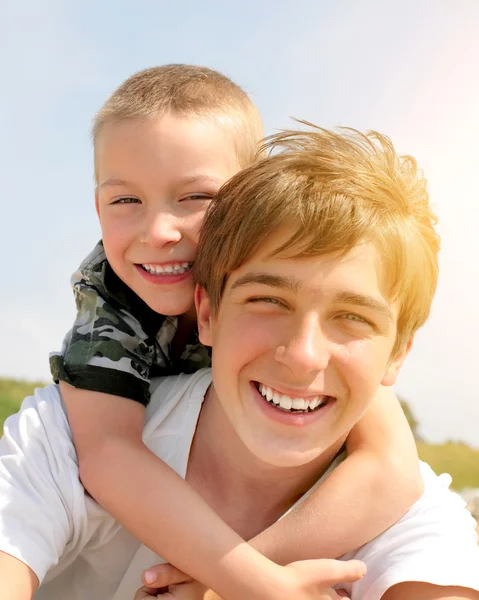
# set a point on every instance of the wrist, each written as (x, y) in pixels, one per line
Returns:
(252, 576)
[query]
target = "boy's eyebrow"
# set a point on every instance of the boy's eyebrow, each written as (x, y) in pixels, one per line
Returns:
(278, 281)
(203, 179)
(113, 181)
(293, 285)
(187, 180)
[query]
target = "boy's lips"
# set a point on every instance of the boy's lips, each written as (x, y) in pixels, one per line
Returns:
(161, 273)
(294, 403)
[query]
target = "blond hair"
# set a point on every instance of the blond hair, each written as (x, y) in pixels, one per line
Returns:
(336, 189)
(185, 90)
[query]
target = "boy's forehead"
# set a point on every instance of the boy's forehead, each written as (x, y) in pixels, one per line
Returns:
(194, 148)
(354, 274)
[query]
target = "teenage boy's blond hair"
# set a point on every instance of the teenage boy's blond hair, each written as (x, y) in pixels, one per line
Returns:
(336, 189)
(185, 90)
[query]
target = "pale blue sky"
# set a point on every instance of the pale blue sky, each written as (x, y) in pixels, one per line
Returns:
(408, 69)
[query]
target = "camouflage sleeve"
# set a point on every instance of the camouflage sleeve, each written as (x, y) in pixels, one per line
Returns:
(107, 349)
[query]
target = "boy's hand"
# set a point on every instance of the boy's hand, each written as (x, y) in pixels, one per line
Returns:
(302, 580)
(313, 579)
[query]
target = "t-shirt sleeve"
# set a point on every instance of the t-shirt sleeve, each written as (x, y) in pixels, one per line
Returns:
(42, 502)
(106, 350)
(435, 542)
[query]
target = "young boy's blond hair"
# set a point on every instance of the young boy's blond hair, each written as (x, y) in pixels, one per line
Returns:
(185, 90)
(337, 189)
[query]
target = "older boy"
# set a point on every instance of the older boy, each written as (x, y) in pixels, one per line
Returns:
(322, 265)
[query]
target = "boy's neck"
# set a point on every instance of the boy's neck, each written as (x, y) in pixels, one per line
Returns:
(247, 493)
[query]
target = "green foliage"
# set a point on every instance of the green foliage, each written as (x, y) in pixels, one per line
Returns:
(455, 458)
(12, 392)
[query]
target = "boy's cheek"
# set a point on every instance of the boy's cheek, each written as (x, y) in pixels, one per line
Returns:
(244, 338)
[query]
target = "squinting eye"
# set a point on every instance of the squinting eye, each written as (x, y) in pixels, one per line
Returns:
(267, 300)
(353, 317)
(197, 197)
(126, 200)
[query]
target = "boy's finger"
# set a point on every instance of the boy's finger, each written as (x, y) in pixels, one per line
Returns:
(163, 576)
(332, 572)
(328, 572)
(342, 594)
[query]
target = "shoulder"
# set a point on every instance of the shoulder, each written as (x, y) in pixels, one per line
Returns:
(435, 542)
(42, 501)
(39, 437)
(425, 591)
(42, 417)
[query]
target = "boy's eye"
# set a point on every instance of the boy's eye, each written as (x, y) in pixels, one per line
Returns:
(197, 197)
(266, 300)
(355, 318)
(126, 200)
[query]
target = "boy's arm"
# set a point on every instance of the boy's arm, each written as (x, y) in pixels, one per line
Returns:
(366, 494)
(153, 502)
(17, 581)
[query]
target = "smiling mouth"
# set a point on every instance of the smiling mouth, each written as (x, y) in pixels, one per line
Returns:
(170, 269)
(292, 404)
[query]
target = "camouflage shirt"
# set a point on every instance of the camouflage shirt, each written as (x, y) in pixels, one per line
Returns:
(117, 343)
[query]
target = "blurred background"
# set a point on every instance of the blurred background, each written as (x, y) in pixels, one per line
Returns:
(408, 69)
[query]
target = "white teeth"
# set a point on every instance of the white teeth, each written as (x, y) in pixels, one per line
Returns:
(299, 404)
(175, 269)
(287, 403)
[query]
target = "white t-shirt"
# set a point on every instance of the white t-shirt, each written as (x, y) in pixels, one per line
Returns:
(78, 551)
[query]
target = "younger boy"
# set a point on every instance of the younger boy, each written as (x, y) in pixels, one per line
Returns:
(165, 142)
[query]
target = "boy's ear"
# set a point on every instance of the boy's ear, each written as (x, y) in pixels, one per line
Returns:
(203, 314)
(395, 365)
(97, 203)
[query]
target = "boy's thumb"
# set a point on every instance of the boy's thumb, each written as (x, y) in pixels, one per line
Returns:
(163, 575)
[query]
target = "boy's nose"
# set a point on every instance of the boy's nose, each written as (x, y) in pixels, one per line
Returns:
(306, 350)
(162, 229)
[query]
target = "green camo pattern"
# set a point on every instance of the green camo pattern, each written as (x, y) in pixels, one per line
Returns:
(111, 347)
